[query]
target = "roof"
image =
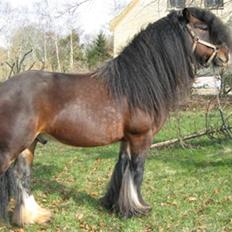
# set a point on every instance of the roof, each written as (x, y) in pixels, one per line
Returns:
(114, 22)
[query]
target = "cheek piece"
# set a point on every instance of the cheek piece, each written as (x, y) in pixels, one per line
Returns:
(197, 40)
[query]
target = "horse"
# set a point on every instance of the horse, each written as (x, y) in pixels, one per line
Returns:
(127, 100)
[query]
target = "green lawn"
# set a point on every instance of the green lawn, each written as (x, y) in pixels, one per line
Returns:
(190, 189)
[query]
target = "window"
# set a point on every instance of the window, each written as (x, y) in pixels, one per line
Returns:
(176, 3)
(214, 4)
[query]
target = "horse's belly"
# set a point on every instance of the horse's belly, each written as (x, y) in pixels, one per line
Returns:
(86, 138)
(87, 131)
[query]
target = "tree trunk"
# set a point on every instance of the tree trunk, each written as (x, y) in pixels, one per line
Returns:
(71, 50)
(57, 54)
(45, 51)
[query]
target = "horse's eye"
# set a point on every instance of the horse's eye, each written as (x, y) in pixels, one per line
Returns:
(201, 26)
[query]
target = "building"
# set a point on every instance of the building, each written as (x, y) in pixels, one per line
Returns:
(207, 85)
(138, 13)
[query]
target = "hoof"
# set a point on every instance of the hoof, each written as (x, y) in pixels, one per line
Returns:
(140, 212)
(124, 210)
(147, 207)
(30, 213)
(106, 203)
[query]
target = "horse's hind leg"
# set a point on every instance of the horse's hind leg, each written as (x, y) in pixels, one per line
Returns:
(27, 211)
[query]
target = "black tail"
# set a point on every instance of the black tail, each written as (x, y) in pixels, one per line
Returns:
(4, 196)
(7, 189)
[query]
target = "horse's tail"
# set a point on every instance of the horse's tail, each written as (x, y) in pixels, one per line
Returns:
(4, 195)
(7, 189)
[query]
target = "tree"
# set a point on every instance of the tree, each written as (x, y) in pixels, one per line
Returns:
(25, 50)
(71, 51)
(98, 51)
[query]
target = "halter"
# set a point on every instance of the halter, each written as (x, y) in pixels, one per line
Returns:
(197, 40)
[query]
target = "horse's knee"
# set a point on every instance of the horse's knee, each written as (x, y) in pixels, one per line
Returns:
(140, 143)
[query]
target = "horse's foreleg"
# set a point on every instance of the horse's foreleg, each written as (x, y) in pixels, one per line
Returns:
(124, 192)
(130, 202)
(137, 162)
(27, 211)
(109, 201)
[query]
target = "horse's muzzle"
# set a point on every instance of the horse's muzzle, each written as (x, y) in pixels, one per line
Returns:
(221, 61)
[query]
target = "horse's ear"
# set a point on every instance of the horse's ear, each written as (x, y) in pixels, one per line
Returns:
(186, 14)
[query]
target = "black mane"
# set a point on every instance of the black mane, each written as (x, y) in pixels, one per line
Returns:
(156, 67)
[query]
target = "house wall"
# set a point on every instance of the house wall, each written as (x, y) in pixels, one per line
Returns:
(148, 11)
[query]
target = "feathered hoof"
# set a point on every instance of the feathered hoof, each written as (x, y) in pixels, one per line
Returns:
(106, 203)
(135, 212)
(147, 207)
(23, 217)
(30, 213)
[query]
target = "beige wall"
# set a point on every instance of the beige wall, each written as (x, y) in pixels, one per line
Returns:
(148, 11)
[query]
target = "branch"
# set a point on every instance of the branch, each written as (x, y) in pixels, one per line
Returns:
(11, 68)
(32, 65)
(72, 8)
(191, 136)
(227, 91)
(10, 65)
(23, 58)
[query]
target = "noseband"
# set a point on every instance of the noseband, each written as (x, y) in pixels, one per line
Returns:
(197, 40)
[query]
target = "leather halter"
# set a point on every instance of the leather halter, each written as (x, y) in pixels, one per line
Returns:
(197, 40)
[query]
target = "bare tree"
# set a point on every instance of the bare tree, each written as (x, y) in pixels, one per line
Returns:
(17, 65)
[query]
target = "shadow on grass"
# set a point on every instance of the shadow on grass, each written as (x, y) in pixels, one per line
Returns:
(48, 185)
(104, 152)
(45, 171)
(81, 198)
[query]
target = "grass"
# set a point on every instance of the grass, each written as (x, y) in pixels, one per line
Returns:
(189, 189)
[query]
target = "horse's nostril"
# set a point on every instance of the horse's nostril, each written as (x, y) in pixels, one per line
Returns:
(221, 61)
(225, 60)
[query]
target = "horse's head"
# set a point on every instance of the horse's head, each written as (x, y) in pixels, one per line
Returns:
(209, 37)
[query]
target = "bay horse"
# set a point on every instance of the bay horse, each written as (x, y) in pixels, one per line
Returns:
(128, 100)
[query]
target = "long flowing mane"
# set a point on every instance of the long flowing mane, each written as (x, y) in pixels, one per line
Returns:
(157, 65)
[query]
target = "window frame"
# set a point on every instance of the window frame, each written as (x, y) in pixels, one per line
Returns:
(209, 5)
(175, 5)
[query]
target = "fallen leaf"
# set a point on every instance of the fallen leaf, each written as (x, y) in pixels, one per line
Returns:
(209, 201)
(227, 198)
(168, 203)
(191, 199)
(79, 216)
